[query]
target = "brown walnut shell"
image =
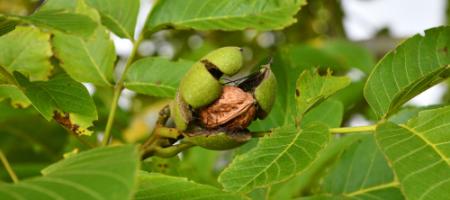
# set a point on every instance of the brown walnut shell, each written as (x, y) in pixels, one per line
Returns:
(235, 110)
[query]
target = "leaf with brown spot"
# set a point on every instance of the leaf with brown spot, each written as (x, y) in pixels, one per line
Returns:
(63, 99)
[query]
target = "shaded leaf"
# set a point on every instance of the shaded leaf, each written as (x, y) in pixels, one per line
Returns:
(101, 173)
(350, 54)
(120, 17)
(411, 68)
(27, 50)
(277, 157)
(63, 99)
(6, 25)
(362, 173)
(329, 112)
(64, 21)
(156, 76)
(419, 153)
(18, 99)
(158, 186)
(313, 88)
(87, 59)
(224, 15)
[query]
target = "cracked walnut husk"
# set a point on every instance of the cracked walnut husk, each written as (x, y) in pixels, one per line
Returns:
(235, 109)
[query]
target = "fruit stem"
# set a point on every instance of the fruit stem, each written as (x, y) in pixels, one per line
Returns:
(355, 129)
(8, 167)
(118, 90)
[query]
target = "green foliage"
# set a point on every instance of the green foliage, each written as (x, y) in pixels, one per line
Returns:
(27, 50)
(414, 66)
(278, 156)
(49, 51)
(63, 99)
(120, 17)
(418, 153)
(224, 15)
(159, 186)
(156, 76)
(313, 88)
(362, 173)
(82, 176)
(67, 22)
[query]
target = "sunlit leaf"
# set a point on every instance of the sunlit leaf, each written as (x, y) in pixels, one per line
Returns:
(27, 50)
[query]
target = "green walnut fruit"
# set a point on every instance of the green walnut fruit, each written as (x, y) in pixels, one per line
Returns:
(217, 140)
(265, 92)
(201, 86)
(180, 113)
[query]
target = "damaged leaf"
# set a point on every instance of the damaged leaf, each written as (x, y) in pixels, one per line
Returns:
(63, 99)
(313, 88)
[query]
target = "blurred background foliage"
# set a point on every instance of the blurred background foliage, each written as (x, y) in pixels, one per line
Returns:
(317, 40)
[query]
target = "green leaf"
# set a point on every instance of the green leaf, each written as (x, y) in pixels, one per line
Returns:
(87, 59)
(18, 99)
(419, 153)
(101, 173)
(350, 54)
(200, 165)
(158, 186)
(156, 76)
(277, 157)
(308, 178)
(120, 17)
(63, 99)
(411, 68)
(6, 25)
(313, 88)
(27, 50)
(362, 173)
(61, 20)
(329, 112)
(224, 15)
